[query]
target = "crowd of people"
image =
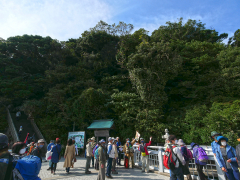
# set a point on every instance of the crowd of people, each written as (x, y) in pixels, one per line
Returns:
(107, 155)
(177, 157)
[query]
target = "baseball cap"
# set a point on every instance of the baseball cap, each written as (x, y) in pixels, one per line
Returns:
(3, 141)
(109, 139)
(57, 139)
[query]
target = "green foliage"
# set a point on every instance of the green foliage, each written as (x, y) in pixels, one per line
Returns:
(181, 77)
(150, 68)
(235, 40)
(3, 119)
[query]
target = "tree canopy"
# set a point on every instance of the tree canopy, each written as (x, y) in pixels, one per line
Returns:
(181, 77)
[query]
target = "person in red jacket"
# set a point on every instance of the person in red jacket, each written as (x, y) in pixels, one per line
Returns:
(144, 152)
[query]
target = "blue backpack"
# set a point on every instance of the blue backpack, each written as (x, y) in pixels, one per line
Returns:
(96, 154)
(29, 167)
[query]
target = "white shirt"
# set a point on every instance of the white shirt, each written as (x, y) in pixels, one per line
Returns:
(112, 152)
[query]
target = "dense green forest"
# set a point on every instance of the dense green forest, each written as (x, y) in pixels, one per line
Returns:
(181, 77)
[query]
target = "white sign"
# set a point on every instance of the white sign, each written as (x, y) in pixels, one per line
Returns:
(79, 138)
(137, 136)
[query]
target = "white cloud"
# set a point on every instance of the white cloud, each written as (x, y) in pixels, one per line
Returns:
(60, 19)
(152, 23)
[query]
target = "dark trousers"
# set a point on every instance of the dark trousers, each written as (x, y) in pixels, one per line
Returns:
(119, 158)
(232, 175)
(109, 166)
(200, 172)
(88, 164)
(92, 161)
(53, 166)
(177, 174)
(68, 169)
(97, 164)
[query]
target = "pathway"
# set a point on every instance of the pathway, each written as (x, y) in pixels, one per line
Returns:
(78, 173)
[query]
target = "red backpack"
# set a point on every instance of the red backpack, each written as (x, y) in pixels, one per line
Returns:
(168, 161)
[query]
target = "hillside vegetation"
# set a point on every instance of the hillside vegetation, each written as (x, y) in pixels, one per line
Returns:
(181, 77)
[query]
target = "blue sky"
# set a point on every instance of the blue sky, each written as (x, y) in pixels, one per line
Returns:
(64, 19)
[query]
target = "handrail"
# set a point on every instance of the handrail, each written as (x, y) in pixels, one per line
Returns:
(155, 157)
(12, 127)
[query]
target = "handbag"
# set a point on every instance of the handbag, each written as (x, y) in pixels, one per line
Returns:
(48, 155)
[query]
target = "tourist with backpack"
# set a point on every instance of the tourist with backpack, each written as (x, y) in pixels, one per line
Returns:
(56, 155)
(214, 144)
(173, 159)
(201, 159)
(238, 151)
(187, 155)
(144, 153)
(96, 166)
(227, 159)
(6, 159)
(37, 151)
(100, 152)
(119, 151)
(111, 154)
(129, 152)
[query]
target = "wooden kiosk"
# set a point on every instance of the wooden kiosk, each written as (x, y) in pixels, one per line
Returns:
(101, 128)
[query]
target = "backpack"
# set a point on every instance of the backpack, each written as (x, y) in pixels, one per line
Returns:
(8, 168)
(142, 148)
(29, 167)
(189, 154)
(168, 161)
(131, 149)
(202, 156)
(96, 155)
(95, 148)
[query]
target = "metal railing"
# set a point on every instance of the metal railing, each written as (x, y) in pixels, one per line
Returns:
(156, 153)
(12, 127)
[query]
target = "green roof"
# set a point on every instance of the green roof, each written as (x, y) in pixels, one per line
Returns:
(101, 124)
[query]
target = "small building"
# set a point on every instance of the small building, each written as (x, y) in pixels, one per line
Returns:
(101, 128)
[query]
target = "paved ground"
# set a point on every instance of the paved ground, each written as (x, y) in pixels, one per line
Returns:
(78, 173)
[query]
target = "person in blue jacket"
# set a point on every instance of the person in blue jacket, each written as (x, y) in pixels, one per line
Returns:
(56, 154)
(226, 157)
(214, 144)
(49, 147)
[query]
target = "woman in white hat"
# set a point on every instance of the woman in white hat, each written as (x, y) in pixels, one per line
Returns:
(183, 150)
